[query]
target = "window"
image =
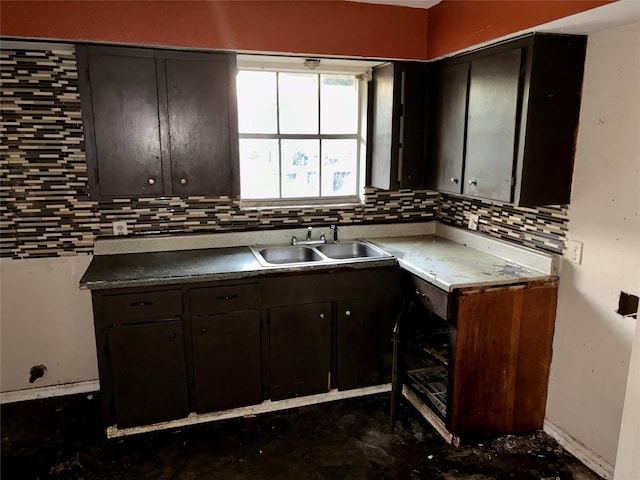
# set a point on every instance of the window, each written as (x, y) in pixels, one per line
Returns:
(300, 135)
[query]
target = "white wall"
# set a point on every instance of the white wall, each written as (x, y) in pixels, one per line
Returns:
(628, 459)
(45, 319)
(592, 343)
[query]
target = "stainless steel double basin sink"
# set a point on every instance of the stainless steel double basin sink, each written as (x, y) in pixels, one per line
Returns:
(298, 255)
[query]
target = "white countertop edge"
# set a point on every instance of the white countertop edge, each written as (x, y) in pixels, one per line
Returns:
(131, 244)
(546, 263)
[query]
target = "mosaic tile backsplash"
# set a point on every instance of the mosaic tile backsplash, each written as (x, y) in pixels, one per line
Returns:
(542, 228)
(45, 208)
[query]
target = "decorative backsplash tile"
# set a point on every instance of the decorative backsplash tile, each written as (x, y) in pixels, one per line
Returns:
(45, 209)
(543, 228)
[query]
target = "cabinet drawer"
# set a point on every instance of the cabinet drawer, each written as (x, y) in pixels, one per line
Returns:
(131, 307)
(431, 297)
(226, 299)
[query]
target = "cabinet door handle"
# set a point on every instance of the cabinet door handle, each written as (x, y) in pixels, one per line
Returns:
(473, 182)
(183, 181)
(141, 304)
(454, 180)
(172, 335)
(347, 313)
(322, 315)
(420, 294)
(203, 330)
(228, 297)
(151, 181)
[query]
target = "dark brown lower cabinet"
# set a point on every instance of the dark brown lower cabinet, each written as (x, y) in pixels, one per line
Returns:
(148, 373)
(364, 347)
(168, 351)
(226, 360)
(300, 350)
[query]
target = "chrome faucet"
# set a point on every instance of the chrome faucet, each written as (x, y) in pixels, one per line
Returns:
(308, 241)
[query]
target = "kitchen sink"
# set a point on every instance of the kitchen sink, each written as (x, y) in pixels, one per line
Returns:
(289, 254)
(350, 250)
(331, 253)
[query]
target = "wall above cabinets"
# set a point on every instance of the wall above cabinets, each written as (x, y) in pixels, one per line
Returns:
(505, 119)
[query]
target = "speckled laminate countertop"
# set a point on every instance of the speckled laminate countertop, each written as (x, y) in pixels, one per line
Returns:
(190, 266)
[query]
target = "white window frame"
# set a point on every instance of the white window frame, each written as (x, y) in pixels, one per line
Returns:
(362, 70)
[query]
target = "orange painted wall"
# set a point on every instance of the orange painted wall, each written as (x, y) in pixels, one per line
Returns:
(458, 24)
(320, 27)
(314, 27)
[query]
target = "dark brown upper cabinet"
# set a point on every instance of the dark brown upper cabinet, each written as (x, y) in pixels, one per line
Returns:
(158, 122)
(515, 142)
(397, 125)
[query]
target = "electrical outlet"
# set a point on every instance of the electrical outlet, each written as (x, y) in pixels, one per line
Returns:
(574, 251)
(474, 219)
(120, 228)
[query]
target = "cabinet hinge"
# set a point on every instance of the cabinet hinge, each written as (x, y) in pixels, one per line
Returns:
(96, 176)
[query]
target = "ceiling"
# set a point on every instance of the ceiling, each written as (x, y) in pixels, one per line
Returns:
(404, 3)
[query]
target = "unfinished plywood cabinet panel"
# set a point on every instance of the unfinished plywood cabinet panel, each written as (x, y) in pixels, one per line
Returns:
(483, 369)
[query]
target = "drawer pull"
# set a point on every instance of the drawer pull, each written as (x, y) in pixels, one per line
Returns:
(172, 335)
(420, 294)
(322, 315)
(204, 330)
(141, 304)
(228, 297)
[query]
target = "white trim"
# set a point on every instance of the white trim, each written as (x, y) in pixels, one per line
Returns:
(264, 407)
(161, 243)
(50, 391)
(576, 448)
(295, 63)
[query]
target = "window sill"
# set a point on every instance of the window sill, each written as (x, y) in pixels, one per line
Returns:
(310, 203)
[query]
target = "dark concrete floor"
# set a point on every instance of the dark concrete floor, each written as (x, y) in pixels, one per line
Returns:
(62, 438)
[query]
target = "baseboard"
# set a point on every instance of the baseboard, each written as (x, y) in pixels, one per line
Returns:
(51, 391)
(264, 407)
(591, 459)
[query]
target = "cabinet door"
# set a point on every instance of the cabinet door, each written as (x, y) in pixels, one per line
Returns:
(122, 127)
(226, 360)
(364, 336)
(198, 109)
(450, 116)
(300, 349)
(491, 126)
(148, 372)
(384, 105)
(398, 106)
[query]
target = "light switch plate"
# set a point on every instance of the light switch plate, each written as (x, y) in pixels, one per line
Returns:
(120, 228)
(574, 251)
(473, 221)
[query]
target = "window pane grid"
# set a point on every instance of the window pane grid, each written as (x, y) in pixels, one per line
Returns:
(313, 162)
